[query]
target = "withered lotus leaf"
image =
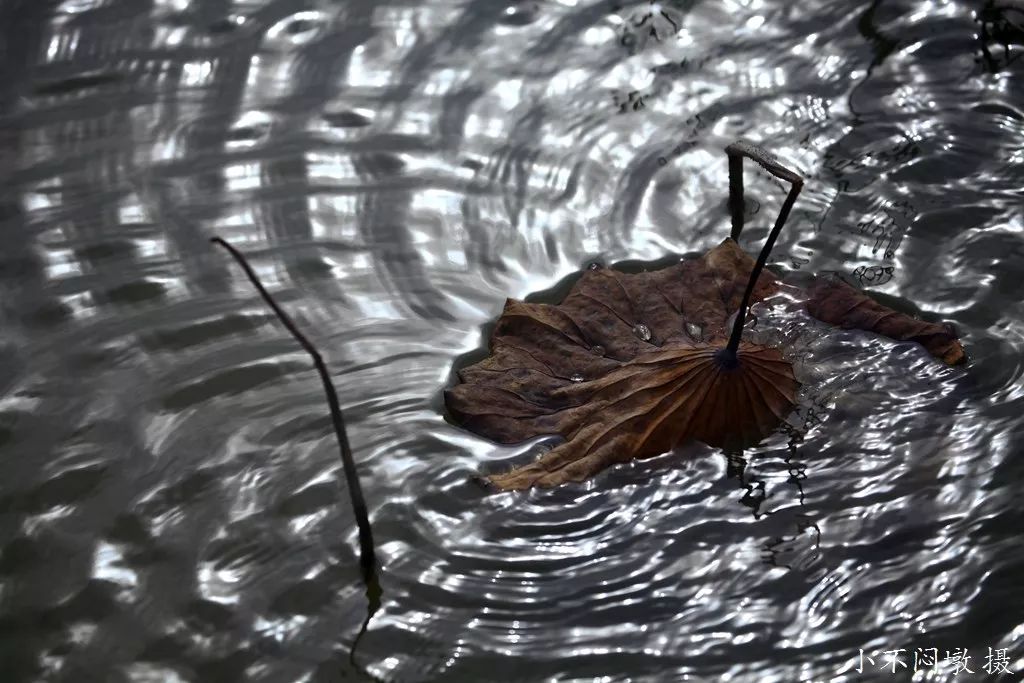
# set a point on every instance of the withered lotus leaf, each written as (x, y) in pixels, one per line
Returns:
(629, 365)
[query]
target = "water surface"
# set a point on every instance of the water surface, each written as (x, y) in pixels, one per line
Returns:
(170, 494)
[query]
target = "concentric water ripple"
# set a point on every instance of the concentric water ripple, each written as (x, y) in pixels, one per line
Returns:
(171, 503)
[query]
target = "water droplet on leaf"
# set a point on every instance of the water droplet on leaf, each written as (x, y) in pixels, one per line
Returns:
(597, 350)
(642, 331)
(576, 377)
(695, 331)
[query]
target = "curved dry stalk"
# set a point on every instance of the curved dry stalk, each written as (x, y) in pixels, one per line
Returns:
(367, 554)
(736, 152)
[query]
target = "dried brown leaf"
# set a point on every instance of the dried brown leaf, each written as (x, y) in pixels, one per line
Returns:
(629, 365)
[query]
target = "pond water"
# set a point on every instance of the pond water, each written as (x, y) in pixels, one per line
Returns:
(172, 506)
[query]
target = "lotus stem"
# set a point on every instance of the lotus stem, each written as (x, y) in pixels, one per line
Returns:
(736, 151)
(367, 555)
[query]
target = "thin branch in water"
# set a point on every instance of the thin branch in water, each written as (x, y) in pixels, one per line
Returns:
(736, 151)
(367, 555)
